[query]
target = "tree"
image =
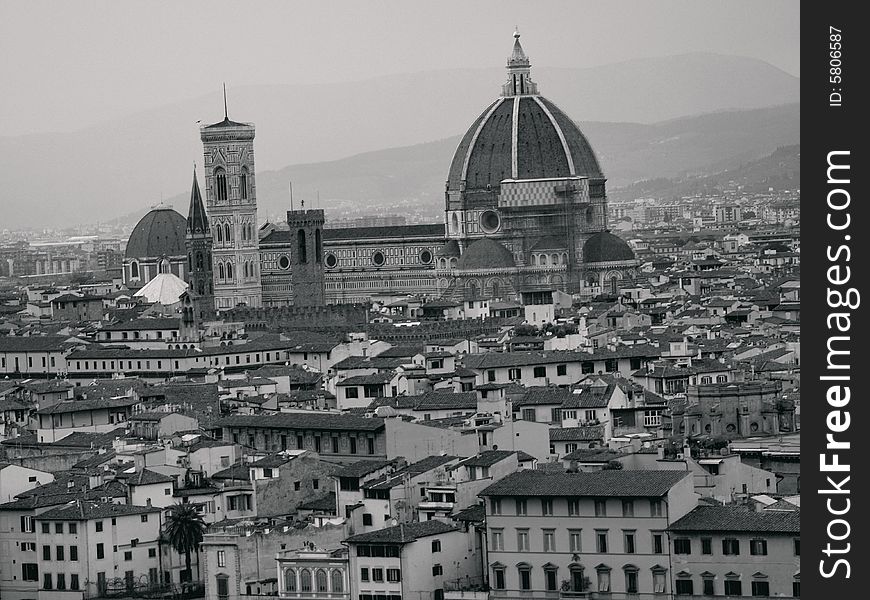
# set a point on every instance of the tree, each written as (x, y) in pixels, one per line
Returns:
(184, 530)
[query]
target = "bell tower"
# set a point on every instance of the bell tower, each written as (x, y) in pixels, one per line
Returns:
(198, 241)
(231, 198)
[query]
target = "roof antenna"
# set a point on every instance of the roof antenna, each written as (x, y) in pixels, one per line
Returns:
(226, 112)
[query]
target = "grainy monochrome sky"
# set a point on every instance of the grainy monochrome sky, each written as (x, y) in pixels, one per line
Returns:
(67, 65)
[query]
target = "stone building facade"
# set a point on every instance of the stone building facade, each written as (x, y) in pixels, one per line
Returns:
(735, 409)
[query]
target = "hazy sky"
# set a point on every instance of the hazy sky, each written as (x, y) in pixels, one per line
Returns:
(66, 65)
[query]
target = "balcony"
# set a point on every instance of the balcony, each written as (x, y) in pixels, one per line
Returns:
(465, 590)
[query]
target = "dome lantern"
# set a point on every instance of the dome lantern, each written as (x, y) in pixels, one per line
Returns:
(519, 81)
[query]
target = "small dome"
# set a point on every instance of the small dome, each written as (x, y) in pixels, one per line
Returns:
(159, 233)
(165, 289)
(606, 247)
(451, 248)
(486, 254)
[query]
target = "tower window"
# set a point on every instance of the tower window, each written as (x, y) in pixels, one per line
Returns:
(134, 270)
(228, 233)
(302, 246)
(229, 271)
(199, 263)
(220, 233)
(318, 246)
(220, 270)
(243, 184)
(220, 180)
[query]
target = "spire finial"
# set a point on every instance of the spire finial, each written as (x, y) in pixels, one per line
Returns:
(226, 112)
(516, 32)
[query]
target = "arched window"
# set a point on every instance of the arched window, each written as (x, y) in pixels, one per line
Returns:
(603, 578)
(243, 183)
(220, 182)
(551, 577)
(199, 262)
(229, 271)
(220, 270)
(455, 223)
(472, 290)
(578, 579)
(321, 580)
(219, 234)
(245, 269)
(290, 580)
(318, 246)
(495, 289)
(305, 580)
(337, 582)
(554, 260)
(543, 260)
(302, 248)
(134, 270)
(631, 579)
(201, 289)
(614, 285)
(190, 261)
(228, 233)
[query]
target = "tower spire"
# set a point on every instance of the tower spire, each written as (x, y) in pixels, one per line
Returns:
(197, 220)
(519, 81)
(226, 112)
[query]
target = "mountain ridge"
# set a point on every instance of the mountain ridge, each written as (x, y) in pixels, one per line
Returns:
(134, 161)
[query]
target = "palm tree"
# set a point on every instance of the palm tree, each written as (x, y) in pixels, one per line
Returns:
(184, 529)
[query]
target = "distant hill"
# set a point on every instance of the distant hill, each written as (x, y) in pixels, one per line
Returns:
(113, 168)
(780, 170)
(629, 152)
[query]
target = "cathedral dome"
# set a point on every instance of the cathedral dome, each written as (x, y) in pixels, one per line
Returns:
(159, 233)
(486, 254)
(522, 135)
(606, 247)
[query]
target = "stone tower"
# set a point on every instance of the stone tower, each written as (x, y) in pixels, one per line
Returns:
(306, 257)
(231, 197)
(198, 241)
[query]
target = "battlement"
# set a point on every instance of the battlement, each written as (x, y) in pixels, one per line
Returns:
(312, 216)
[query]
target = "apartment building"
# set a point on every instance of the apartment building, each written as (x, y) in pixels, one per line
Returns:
(411, 560)
(95, 547)
(735, 551)
(557, 367)
(602, 531)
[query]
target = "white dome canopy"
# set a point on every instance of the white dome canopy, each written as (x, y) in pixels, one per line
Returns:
(165, 289)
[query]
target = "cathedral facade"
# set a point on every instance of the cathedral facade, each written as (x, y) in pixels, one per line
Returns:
(525, 210)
